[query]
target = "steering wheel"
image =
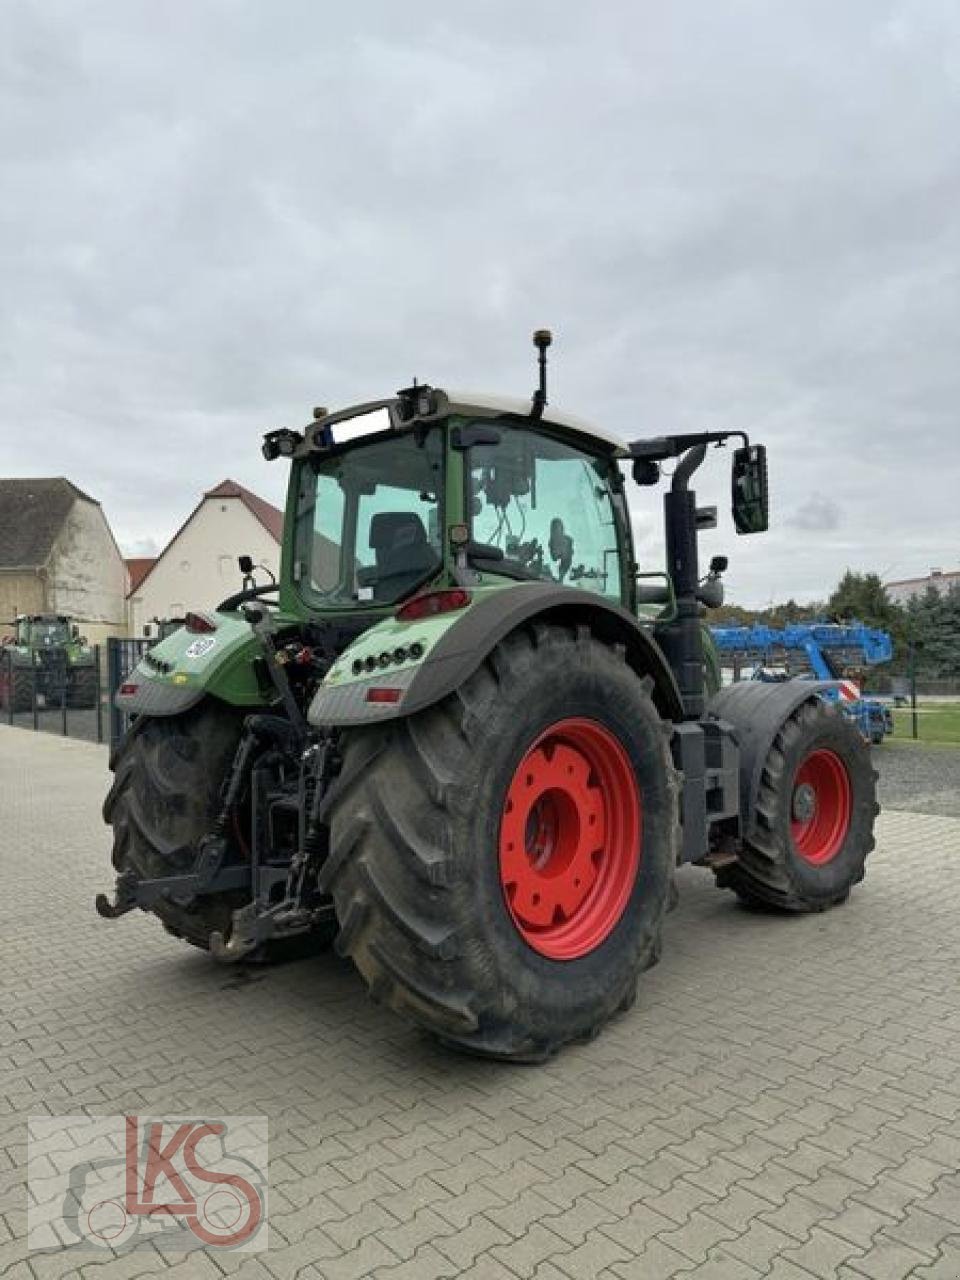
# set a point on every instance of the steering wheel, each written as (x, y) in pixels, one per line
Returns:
(251, 593)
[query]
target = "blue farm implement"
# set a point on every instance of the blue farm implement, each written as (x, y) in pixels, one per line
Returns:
(821, 651)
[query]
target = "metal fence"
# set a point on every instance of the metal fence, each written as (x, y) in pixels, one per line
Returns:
(123, 654)
(899, 686)
(46, 695)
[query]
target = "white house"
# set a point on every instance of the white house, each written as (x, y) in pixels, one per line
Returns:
(198, 567)
(902, 591)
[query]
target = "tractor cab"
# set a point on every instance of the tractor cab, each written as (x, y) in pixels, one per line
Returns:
(438, 492)
(440, 488)
(43, 631)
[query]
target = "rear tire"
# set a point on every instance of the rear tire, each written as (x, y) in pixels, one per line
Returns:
(168, 771)
(814, 818)
(418, 838)
(165, 796)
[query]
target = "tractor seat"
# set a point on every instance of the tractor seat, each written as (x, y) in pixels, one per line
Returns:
(403, 554)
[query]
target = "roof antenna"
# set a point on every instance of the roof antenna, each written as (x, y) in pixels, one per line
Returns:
(541, 340)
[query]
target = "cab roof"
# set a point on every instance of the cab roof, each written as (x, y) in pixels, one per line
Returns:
(495, 406)
(403, 412)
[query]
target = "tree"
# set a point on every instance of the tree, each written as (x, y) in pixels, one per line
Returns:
(862, 597)
(933, 626)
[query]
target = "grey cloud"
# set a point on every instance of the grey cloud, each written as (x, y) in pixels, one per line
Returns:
(216, 215)
(819, 513)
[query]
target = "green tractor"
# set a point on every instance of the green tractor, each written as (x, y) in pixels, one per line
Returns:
(47, 655)
(466, 738)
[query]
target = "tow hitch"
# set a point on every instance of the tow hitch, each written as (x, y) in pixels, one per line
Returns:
(284, 896)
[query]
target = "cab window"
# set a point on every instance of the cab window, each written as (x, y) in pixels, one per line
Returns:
(369, 521)
(542, 509)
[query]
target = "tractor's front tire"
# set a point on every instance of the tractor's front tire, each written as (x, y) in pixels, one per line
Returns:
(18, 689)
(813, 824)
(501, 862)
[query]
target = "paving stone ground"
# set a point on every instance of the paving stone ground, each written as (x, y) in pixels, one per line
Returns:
(783, 1101)
(920, 777)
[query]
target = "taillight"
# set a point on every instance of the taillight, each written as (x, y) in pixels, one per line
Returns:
(432, 603)
(380, 694)
(198, 624)
(127, 689)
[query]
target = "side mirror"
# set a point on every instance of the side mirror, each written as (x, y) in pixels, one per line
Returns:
(749, 489)
(246, 564)
(75, 631)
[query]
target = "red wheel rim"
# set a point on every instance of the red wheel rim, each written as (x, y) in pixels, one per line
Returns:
(821, 806)
(570, 837)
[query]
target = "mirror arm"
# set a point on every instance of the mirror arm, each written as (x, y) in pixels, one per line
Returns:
(691, 460)
(658, 448)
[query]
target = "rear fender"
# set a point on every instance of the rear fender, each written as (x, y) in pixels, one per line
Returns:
(471, 635)
(175, 674)
(756, 710)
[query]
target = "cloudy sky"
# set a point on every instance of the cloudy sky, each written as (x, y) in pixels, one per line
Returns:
(215, 214)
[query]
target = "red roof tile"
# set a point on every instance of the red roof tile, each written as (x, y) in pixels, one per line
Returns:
(269, 516)
(138, 568)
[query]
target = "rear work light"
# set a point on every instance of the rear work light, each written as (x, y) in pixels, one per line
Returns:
(380, 694)
(197, 624)
(432, 603)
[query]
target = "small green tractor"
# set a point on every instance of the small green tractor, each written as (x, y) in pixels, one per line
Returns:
(46, 656)
(465, 738)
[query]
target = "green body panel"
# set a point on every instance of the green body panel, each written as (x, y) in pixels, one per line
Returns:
(219, 663)
(386, 636)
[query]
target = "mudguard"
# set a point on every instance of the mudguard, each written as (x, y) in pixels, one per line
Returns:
(175, 674)
(454, 652)
(756, 710)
